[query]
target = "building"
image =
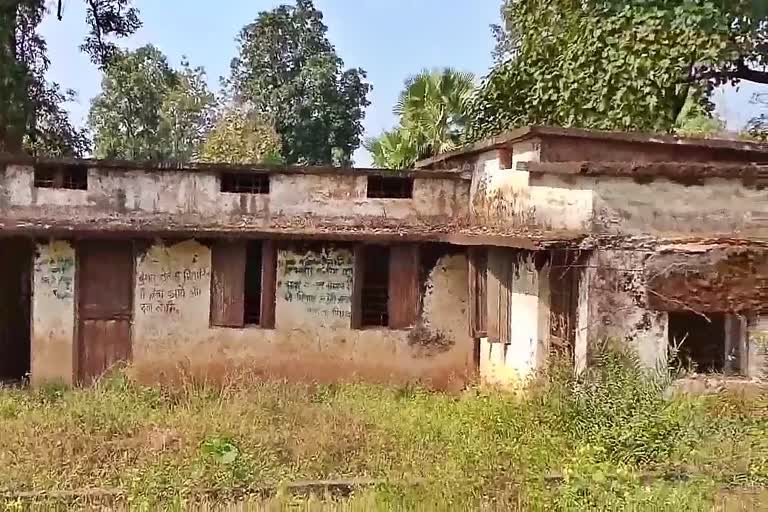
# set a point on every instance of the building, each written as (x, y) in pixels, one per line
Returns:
(486, 259)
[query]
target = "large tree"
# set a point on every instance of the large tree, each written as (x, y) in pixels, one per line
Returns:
(148, 110)
(629, 64)
(289, 71)
(31, 112)
(241, 136)
(431, 111)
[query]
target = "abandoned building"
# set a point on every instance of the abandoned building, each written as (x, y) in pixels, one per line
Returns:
(482, 261)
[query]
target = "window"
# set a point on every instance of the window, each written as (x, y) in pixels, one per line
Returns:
(374, 295)
(245, 182)
(244, 284)
(386, 286)
(393, 187)
(478, 299)
(712, 344)
(72, 177)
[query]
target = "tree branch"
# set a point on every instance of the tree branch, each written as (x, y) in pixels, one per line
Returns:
(58, 10)
(97, 26)
(741, 72)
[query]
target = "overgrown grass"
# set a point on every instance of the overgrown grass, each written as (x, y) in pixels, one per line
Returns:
(609, 441)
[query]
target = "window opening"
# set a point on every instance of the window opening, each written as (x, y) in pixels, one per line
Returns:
(374, 300)
(71, 177)
(252, 292)
(245, 182)
(393, 187)
(698, 344)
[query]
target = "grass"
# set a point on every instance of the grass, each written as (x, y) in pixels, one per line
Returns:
(609, 441)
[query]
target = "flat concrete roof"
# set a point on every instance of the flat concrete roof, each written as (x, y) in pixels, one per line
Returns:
(519, 134)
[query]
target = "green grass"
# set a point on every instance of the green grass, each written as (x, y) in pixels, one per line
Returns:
(607, 442)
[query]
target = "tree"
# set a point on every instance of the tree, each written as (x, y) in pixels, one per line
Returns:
(757, 127)
(147, 110)
(392, 150)
(289, 71)
(614, 64)
(431, 110)
(241, 137)
(31, 115)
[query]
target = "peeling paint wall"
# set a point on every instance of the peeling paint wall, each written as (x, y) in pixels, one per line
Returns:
(618, 310)
(663, 207)
(196, 197)
(312, 337)
(53, 314)
(757, 357)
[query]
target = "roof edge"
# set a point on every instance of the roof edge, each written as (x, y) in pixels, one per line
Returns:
(169, 165)
(526, 132)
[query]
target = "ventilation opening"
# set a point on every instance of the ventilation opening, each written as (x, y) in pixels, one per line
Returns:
(15, 310)
(700, 344)
(393, 187)
(252, 299)
(374, 298)
(245, 183)
(71, 177)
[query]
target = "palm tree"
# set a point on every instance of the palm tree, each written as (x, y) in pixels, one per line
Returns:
(432, 109)
(391, 149)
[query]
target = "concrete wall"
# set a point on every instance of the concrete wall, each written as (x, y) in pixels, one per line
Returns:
(312, 337)
(53, 314)
(614, 297)
(195, 197)
(504, 194)
(565, 149)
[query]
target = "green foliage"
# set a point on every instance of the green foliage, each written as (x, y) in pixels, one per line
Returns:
(392, 149)
(288, 70)
(240, 136)
(607, 440)
(757, 127)
(614, 65)
(147, 110)
(431, 109)
(32, 117)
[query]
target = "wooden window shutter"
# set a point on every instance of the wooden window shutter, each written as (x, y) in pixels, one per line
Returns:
(357, 286)
(500, 269)
(403, 286)
(268, 283)
(478, 300)
(228, 284)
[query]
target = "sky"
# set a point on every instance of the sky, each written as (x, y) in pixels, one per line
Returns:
(390, 39)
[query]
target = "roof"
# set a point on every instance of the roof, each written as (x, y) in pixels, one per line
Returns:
(520, 134)
(165, 166)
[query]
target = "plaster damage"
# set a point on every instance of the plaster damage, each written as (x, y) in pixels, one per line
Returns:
(53, 314)
(312, 338)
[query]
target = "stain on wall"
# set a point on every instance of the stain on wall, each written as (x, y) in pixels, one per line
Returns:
(53, 313)
(312, 337)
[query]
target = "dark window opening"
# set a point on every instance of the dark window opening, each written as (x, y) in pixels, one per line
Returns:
(245, 183)
(698, 343)
(72, 177)
(374, 297)
(393, 187)
(252, 291)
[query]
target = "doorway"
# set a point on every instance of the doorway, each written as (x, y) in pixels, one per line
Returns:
(105, 306)
(15, 309)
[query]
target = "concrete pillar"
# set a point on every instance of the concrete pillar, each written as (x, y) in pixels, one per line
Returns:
(53, 314)
(757, 359)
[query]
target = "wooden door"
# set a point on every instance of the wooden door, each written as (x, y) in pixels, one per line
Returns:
(105, 306)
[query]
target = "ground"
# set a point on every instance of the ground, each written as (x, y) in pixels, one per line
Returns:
(609, 441)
